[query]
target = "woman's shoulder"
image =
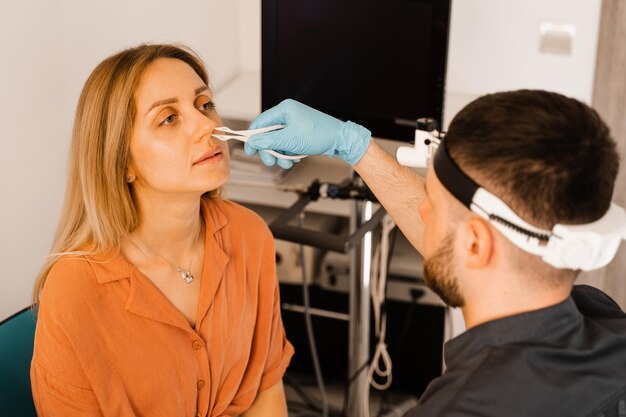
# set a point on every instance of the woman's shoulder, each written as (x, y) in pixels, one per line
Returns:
(70, 265)
(70, 279)
(80, 273)
(238, 216)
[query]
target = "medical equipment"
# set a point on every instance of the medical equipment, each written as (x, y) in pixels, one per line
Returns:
(427, 139)
(358, 245)
(586, 246)
(282, 228)
(243, 135)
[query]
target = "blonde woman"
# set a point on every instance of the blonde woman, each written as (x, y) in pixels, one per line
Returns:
(159, 298)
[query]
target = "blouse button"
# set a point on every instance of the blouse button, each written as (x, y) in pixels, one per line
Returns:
(201, 384)
(196, 344)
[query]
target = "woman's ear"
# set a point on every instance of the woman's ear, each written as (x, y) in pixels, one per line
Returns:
(130, 175)
(478, 243)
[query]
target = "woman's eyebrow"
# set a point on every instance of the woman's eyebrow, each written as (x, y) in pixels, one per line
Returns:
(200, 89)
(162, 103)
(174, 99)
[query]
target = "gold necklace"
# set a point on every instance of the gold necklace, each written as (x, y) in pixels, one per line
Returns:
(185, 274)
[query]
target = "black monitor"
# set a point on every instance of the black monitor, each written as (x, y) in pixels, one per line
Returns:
(379, 63)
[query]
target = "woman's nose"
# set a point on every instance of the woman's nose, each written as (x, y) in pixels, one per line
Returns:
(204, 127)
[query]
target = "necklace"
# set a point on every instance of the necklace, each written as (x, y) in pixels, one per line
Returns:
(185, 274)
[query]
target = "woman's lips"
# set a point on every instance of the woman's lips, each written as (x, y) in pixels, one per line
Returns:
(213, 155)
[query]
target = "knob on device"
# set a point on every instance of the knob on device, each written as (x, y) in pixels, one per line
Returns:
(426, 141)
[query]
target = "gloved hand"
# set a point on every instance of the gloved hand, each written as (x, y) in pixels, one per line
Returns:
(307, 132)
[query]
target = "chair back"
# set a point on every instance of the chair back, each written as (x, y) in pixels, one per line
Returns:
(17, 335)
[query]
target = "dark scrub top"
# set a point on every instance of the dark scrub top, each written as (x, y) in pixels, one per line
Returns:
(565, 360)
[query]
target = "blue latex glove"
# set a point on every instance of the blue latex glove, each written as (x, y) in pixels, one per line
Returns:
(307, 132)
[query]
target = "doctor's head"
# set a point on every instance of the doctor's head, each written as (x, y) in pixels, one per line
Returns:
(548, 157)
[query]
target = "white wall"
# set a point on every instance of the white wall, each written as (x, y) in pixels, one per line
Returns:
(494, 46)
(48, 50)
(249, 21)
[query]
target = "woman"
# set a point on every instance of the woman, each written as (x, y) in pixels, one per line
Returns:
(159, 298)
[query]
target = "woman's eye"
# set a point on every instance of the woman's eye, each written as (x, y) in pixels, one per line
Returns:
(168, 120)
(209, 105)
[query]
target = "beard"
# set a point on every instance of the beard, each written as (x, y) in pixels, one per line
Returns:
(439, 273)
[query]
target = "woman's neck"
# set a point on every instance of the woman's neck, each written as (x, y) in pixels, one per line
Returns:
(168, 224)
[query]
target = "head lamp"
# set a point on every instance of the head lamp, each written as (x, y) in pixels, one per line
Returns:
(585, 246)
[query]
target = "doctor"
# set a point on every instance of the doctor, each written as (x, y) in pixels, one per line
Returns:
(490, 219)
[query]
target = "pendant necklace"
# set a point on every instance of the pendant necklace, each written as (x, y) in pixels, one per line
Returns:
(185, 274)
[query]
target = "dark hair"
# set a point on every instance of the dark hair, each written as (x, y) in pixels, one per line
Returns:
(549, 157)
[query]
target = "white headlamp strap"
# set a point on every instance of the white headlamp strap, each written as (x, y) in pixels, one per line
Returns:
(586, 247)
(487, 205)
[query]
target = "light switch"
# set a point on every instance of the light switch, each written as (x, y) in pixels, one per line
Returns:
(556, 38)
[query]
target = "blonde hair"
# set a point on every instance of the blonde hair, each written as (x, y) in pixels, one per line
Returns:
(99, 209)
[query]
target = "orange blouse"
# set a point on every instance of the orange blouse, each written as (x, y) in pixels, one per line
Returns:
(109, 343)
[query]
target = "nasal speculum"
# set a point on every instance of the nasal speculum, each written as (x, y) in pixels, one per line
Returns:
(244, 135)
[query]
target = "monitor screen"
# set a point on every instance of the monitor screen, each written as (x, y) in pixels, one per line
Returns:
(379, 63)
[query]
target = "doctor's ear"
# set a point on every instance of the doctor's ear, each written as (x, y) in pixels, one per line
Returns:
(478, 243)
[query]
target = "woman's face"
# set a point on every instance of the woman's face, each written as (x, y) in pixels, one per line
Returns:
(171, 147)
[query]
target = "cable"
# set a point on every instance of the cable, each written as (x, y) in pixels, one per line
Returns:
(399, 410)
(365, 365)
(392, 246)
(378, 289)
(307, 404)
(379, 280)
(295, 386)
(309, 328)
